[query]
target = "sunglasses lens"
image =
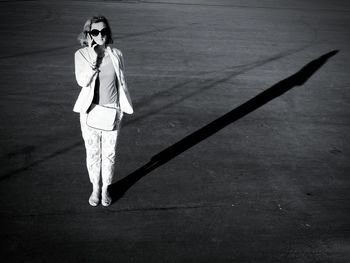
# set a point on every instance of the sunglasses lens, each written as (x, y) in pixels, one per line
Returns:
(94, 32)
(104, 32)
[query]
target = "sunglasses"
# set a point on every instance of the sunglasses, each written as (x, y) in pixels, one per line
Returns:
(96, 32)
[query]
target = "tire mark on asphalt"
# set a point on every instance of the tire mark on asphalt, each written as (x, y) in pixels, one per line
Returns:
(49, 15)
(77, 144)
(29, 53)
(75, 45)
(212, 84)
(243, 6)
(112, 211)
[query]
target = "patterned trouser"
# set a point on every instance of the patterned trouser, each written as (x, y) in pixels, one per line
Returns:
(100, 152)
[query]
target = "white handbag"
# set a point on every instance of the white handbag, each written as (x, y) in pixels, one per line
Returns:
(102, 117)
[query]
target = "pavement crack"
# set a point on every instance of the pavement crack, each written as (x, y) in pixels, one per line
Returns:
(108, 211)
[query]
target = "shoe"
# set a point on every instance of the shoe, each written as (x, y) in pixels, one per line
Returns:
(94, 198)
(106, 198)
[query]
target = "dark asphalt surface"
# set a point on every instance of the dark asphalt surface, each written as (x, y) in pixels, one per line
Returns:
(238, 150)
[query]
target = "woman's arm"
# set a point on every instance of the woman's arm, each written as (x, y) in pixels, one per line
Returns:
(122, 65)
(84, 70)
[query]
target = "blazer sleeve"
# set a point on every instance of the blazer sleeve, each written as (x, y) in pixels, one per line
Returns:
(84, 70)
(119, 55)
(122, 65)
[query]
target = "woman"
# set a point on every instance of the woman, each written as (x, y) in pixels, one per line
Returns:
(99, 70)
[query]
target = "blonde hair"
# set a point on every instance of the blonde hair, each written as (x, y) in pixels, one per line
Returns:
(82, 37)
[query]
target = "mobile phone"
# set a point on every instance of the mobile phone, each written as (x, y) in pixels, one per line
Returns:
(93, 41)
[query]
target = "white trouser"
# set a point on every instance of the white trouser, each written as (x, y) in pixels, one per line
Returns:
(101, 152)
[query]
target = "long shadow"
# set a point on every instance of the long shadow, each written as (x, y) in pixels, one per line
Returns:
(119, 188)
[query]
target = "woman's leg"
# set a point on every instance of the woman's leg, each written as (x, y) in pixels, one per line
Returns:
(92, 139)
(109, 152)
(109, 155)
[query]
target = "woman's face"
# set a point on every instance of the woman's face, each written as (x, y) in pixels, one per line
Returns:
(99, 37)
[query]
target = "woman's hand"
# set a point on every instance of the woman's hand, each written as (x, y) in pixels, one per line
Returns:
(93, 49)
(99, 50)
(92, 44)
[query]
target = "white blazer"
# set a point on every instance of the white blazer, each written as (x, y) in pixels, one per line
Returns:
(86, 77)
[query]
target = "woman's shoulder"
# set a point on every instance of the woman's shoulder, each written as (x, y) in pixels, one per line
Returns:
(116, 51)
(82, 50)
